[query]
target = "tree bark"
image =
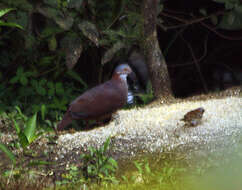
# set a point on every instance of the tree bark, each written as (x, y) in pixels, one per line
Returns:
(157, 67)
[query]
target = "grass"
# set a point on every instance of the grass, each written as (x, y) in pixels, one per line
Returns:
(142, 173)
(139, 173)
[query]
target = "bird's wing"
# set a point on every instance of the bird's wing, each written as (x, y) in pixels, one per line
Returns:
(97, 101)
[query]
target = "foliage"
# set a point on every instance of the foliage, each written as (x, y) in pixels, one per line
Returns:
(146, 175)
(57, 18)
(97, 165)
(26, 134)
(148, 96)
(232, 19)
(35, 95)
(9, 24)
(73, 176)
(21, 76)
(167, 175)
(10, 155)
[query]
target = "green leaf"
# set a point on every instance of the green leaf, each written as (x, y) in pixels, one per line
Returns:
(42, 82)
(9, 24)
(50, 85)
(51, 3)
(147, 168)
(10, 155)
(106, 144)
(75, 4)
(35, 108)
(23, 80)
(50, 30)
(105, 168)
(91, 170)
(34, 83)
(43, 111)
(5, 11)
(23, 139)
(113, 162)
(29, 74)
(46, 60)
(59, 88)
(92, 150)
(51, 92)
(30, 128)
(64, 22)
(20, 71)
(138, 166)
(20, 113)
(232, 20)
(18, 130)
(58, 104)
(170, 171)
(48, 122)
(14, 80)
(52, 43)
(41, 91)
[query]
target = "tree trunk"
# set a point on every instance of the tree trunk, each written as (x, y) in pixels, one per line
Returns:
(155, 60)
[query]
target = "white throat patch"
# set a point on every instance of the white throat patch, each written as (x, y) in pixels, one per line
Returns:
(123, 77)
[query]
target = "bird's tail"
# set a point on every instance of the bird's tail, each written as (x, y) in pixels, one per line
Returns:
(67, 119)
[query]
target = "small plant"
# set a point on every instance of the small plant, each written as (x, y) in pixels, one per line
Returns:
(9, 154)
(148, 96)
(27, 134)
(21, 77)
(144, 171)
(73, 176)
(96, 166)
(9, 24)
(99, 166)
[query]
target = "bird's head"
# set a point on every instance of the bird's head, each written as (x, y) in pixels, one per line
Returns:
(122, 71)
(201, 110)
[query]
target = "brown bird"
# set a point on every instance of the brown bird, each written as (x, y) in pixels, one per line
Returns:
(193, 118)
(100, 102)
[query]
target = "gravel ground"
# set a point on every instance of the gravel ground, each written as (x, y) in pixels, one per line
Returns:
(159, 129)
